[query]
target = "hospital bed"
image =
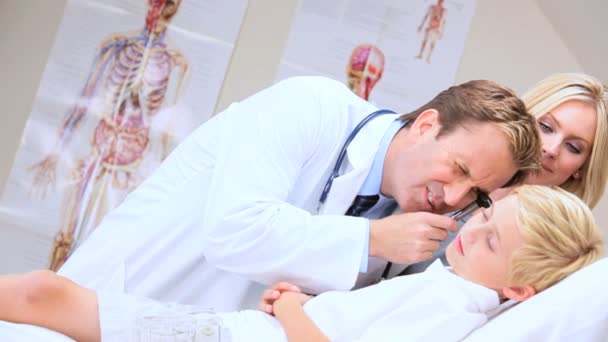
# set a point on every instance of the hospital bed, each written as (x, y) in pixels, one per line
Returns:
(576, 309)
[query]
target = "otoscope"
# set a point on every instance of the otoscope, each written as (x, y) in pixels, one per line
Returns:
(482, 201)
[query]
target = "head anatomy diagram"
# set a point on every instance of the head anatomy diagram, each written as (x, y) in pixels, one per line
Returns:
(364, 69)
(160, 13)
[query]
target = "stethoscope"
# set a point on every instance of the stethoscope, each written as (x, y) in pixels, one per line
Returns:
(482, 201)
(336, 171)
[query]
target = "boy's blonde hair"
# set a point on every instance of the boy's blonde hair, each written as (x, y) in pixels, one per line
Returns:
(559, 88)
(560, 237)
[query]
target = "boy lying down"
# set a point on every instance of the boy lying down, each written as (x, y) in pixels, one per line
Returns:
(525, 243)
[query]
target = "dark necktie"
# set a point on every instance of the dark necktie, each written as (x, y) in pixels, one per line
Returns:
(361, 204)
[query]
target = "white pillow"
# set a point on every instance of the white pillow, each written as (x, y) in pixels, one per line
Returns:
(576, 309)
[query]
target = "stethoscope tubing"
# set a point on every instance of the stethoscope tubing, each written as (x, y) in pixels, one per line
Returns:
(336, 170)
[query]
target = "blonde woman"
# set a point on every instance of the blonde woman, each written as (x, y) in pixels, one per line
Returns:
(572, 112)
(524, 244)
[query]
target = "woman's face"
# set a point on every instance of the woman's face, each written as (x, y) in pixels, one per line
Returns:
(567, 133)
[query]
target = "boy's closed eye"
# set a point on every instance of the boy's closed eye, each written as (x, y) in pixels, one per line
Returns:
(489, 242)
(491, 239)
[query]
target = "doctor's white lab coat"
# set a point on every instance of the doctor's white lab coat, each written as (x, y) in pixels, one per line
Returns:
(235, 204)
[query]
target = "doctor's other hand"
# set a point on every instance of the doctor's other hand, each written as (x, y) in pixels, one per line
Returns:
(408, 238)
(273, 293)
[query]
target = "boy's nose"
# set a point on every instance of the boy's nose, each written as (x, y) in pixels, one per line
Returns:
(477, 232)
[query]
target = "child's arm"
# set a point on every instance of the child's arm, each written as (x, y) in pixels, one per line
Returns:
(296, 323)
(48, 300)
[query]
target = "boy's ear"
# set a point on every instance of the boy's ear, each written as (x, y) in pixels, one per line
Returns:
(426, 121)
(518, 293)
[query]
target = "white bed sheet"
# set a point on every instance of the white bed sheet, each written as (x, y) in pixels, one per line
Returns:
(11, 332)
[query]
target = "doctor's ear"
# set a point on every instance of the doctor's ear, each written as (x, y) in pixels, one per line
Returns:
(425, 122)
(518, 293)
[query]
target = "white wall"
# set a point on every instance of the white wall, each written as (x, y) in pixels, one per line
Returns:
(585, 38)
(510, 41)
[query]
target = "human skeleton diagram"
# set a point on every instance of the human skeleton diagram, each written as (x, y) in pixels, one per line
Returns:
(364, 69)
(434, 29)
(127, 86)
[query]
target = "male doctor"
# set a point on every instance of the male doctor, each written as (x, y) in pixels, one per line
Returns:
(235, 205)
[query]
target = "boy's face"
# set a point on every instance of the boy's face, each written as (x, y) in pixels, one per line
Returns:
(482, 250)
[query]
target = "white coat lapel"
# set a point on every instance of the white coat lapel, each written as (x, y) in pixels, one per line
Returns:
(359, 157)
(344, 189)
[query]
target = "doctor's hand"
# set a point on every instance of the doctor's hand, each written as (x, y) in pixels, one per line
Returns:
(276, 291)
(408, 238)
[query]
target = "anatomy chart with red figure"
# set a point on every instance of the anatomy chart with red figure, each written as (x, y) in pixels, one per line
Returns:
(432, 25)
(396, 54)
(125, 82)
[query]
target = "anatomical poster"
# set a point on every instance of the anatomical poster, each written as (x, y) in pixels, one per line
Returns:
(395, 54)
(125, 81)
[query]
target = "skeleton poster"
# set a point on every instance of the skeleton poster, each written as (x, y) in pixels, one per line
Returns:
(396, 54)
(126, 80)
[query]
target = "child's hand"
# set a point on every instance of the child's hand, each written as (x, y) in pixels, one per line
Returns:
(288, 303)
(273, 293)
(297, 297)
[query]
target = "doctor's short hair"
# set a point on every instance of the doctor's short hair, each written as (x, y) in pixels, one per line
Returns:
(482, 101)
(560, 237)
(559, 88)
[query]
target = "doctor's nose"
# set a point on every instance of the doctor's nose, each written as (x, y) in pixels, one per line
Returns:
(458, 195)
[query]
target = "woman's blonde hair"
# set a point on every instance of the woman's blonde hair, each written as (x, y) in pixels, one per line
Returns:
(560, 236)
(559, 88)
